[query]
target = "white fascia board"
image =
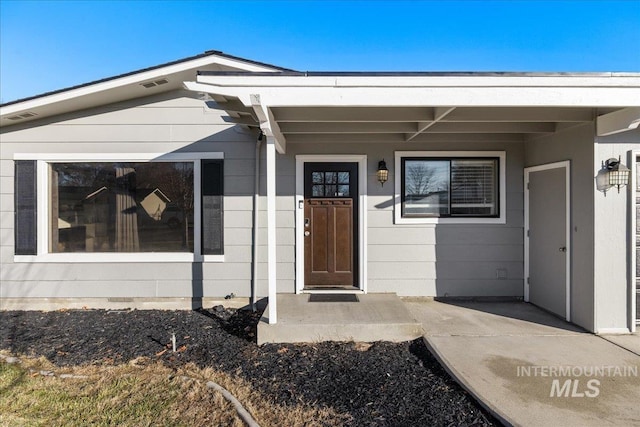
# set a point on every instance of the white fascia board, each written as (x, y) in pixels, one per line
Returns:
(395, 81)
(515, 96)
(128, 80)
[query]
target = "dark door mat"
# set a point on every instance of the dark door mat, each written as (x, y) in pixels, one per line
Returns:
(333, 298)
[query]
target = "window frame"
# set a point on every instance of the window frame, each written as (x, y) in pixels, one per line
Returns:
(43, 188)
(400, 156)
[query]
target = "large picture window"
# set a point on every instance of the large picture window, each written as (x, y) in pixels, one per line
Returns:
(449, 186)
(121, 207)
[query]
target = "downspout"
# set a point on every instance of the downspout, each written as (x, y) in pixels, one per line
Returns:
(256, 205)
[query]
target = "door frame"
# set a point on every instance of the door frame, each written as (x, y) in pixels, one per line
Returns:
(634, 157)
(361, 160)
(527, 171)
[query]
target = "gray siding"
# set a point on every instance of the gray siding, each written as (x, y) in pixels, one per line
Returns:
(433, 260)
(174, 122)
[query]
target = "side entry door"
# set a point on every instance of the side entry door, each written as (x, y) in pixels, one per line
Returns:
(547, 237)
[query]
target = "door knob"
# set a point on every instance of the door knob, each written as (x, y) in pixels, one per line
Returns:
(563, 249)
(307, 233)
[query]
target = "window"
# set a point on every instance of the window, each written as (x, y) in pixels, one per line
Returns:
(152, 208)
(449, 187)
(121, 207)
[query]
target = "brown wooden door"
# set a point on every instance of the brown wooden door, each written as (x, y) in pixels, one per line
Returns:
(330, 212)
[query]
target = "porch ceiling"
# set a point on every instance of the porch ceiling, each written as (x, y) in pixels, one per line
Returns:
(300, 125)
(388, 108)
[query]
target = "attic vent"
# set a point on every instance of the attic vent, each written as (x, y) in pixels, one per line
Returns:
(149, 85)
(22, 116)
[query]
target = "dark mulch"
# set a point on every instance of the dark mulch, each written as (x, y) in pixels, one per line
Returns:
(394, 384)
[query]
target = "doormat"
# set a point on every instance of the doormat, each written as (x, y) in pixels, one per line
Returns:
(333, 298)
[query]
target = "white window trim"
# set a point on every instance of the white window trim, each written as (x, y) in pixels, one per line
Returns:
(44, 255)
(399, 155)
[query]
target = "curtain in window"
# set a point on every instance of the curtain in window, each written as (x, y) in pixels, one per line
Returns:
(127, 239)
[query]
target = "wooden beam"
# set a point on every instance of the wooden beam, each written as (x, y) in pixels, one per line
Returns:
(520, 114)
(267, 123)
(326, 138)
(438, 114)
(492, 127)
(345, 138)
(468, 137)
(346, 127)
(618, 121)
(242, 120)
(352, 114)
(231, 105)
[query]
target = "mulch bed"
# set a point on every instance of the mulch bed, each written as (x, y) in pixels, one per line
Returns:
(385, 384)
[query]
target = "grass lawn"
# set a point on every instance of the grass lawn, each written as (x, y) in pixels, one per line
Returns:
(142, 392)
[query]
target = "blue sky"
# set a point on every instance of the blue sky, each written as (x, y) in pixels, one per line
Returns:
(49, 45)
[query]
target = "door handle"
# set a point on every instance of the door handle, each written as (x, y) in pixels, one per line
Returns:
(307, 222)
(563, 249)
(307, 233)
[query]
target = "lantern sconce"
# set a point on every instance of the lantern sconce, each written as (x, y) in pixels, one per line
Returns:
(613, 173)
(382, 173)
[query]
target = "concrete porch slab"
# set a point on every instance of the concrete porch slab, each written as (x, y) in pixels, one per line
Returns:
(375, 317)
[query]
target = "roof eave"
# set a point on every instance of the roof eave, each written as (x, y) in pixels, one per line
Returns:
(98, 87)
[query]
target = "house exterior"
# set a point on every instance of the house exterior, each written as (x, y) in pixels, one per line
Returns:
(215, 175)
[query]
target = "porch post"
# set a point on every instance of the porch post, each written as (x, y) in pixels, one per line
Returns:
(271, 227)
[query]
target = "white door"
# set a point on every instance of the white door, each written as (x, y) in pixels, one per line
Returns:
(547, 239)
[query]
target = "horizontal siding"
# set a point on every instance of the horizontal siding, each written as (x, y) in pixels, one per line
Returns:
(123, 288)
(452, 288)
(455, 259)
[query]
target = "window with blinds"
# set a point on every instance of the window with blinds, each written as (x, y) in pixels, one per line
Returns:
(474, 185)
(450, 187)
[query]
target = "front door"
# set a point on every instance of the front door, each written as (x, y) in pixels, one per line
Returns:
(330, 225)
(547, 231)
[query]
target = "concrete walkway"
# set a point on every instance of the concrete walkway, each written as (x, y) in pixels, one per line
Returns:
(530, 368)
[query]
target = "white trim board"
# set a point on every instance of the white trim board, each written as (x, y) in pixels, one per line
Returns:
(567, 166)
(634, 158)
(361, 159)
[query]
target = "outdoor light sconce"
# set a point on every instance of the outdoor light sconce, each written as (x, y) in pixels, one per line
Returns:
(613, 173)
(382, 173)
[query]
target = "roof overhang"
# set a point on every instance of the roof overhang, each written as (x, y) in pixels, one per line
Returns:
(396, 107)
(137, 84)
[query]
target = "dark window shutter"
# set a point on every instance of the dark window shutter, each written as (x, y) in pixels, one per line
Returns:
(25, 224)
(212, 213)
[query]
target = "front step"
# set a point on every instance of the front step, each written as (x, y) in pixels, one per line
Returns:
(374, 317)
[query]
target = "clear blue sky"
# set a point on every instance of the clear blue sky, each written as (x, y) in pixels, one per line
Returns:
(48, 45)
